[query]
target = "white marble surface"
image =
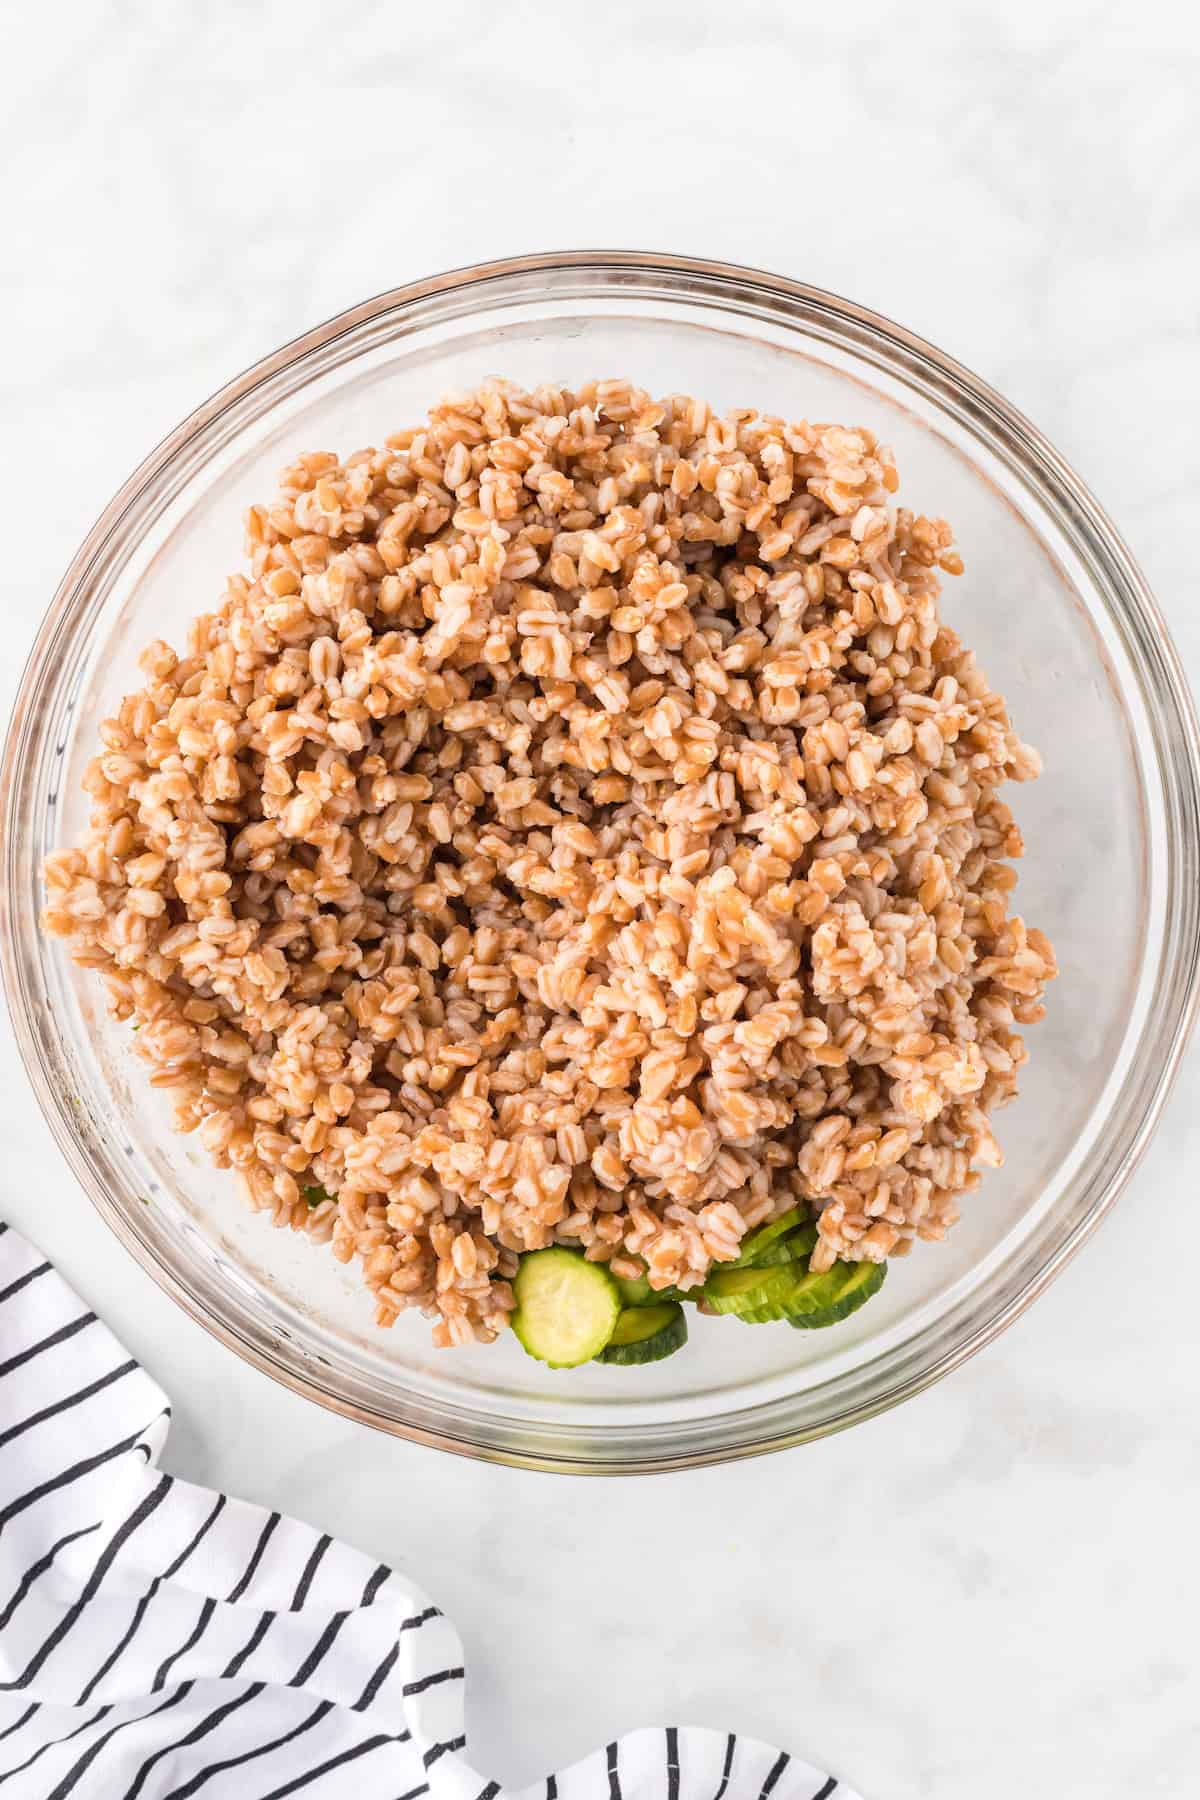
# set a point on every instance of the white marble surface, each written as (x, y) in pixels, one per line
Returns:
(994, 1590)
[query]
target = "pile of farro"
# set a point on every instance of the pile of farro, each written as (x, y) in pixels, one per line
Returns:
(577, 826)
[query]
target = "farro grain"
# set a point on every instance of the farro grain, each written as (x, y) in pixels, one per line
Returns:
(578, 824)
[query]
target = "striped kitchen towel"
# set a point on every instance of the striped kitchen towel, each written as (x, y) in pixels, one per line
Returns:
(159, 1641)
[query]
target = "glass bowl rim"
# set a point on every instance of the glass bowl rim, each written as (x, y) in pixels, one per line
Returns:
(1065, 496)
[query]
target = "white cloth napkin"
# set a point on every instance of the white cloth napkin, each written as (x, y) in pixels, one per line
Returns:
(159, 1641)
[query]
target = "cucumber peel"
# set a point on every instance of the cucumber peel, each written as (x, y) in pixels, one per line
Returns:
(743, 1291)
(793, 1248)
(566, 1307)
(858, 1282)
(571, 1311)
(646, 1334)
(758, 1242)
(638, 1292)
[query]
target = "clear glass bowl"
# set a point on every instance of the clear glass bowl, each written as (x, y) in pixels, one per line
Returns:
(1066, 629)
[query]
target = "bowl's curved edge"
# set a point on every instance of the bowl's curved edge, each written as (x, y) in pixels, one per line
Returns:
(1061, 480)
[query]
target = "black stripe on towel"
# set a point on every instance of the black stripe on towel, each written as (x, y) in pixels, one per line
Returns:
(210, 1521)
(249, 1647)
(334, 1762)
(826, 1788)
(74, 1473)
(23, 1720)
(147, 1597)
(672, 1763)
(23, 1281)
(104, 1563)
(614, 1774)
(373, 1586)
(69, 1781)
(777, 1767)
(421, 1618)
(235, 1762)
(377, 1680)
(198, 1630)
(47, 1343)
(208, 1723)
(240, 1587)
(490, 1791)
(65, 1404)
(436, 1752)
(415, 1793)
(320, 1648)
(428, 1681)
(552, 1787)
(39, 1568)
(53, 1743)
(727, 1770)
(310, 1568)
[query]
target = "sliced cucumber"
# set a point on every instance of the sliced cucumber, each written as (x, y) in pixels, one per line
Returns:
(810, 1301)
(858, 1281)
(802, 1242)
(566, 1307)
(799, 1292)
(685, 1296)
(636, 1291)
(743, 1291)
(645, 1334)
(754, 1247)
(795, 1247)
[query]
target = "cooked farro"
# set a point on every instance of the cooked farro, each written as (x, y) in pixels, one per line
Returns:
(576, 826)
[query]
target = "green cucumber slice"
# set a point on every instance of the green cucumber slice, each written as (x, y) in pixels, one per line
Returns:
(646, 1334)
(742, 1291)
(567, 1307)
(858, 1282)
(806, 1298)
(771, 1256)
(759, 1241)
(795, 1247)
(636, 1291)
(802, 1242)
(684, 1296)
